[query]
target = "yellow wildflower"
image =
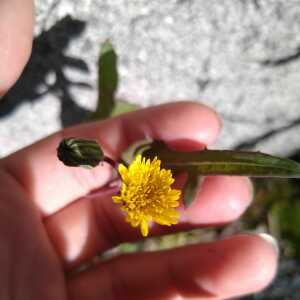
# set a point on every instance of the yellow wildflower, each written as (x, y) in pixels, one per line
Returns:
(146, 194)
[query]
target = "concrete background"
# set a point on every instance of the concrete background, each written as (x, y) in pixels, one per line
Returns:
(239, 56)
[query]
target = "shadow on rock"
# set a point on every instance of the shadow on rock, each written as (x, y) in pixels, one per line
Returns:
(44, 72)
(252, 143)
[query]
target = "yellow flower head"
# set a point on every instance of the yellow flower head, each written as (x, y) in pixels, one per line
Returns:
(146, 194)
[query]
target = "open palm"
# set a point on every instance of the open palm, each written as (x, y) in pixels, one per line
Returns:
(54, 218)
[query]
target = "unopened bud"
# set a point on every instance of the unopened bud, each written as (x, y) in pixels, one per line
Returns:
(77, 152)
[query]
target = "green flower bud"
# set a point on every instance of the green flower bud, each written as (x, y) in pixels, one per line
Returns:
(75, 152)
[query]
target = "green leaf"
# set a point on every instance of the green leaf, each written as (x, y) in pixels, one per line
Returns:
(107, 82)
(122, 107)
(190, 189)
(223, 162)
(135, 148)
(289, 217)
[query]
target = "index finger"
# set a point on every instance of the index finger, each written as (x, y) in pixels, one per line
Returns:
(51, 185)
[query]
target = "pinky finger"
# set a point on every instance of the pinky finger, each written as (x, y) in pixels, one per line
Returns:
(219, 270)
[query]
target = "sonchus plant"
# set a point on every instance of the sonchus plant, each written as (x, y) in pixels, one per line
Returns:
(147, 175)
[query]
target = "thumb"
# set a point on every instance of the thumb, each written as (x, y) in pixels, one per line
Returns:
(16, 27)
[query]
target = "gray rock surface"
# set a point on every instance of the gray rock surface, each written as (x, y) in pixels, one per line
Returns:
(240, 57)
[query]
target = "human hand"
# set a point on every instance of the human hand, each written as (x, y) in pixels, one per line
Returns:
(49, 225)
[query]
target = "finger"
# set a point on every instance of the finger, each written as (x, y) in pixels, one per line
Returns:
(52, 185)
(228, 268)
(16, 26)
(221, 199)
(93, 225)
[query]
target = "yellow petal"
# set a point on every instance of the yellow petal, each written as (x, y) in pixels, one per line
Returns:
(123, 171)
(117, 199)
(144, 228)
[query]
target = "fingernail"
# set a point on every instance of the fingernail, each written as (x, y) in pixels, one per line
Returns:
(271, 240)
